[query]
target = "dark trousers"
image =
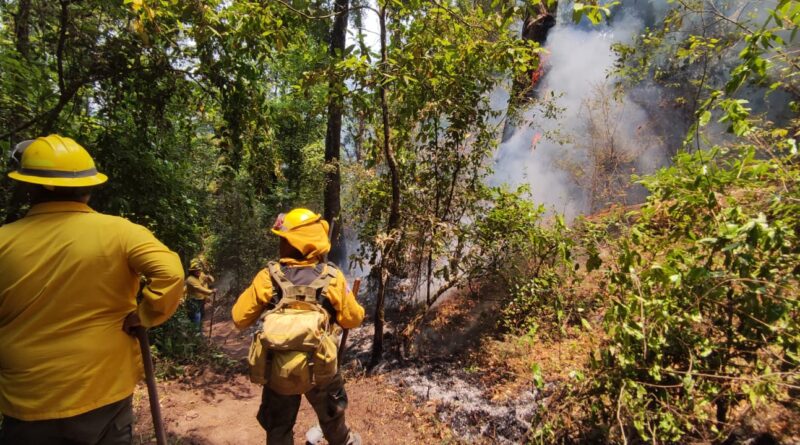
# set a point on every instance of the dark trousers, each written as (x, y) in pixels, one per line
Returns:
(108, 425)
(278, 413)
(196, 310)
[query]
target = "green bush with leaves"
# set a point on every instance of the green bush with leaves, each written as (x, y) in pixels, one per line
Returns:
(516, 244)
(702, 316)
(704, 296)
(178, 343)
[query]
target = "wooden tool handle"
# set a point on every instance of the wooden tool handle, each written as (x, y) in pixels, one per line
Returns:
(152, 390)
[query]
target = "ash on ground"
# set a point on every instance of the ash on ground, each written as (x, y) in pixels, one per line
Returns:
(464, 405)
(433, 371)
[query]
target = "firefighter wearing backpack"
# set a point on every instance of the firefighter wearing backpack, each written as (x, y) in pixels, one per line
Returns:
(303, 302)
(68, 289)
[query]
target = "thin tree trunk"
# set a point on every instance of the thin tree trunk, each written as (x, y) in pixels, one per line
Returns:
(391, 163)
(394, 209)
(333, 136)
(436, 206)
(22, 28)
(536, 23)
(358, 145)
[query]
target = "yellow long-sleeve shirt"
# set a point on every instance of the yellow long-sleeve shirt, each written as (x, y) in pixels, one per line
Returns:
(196, 287)
(256, 298)
(68, 278)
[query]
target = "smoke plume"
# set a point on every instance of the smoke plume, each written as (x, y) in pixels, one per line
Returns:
(561, 148)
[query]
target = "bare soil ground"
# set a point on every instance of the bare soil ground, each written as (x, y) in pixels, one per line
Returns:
(219, 408)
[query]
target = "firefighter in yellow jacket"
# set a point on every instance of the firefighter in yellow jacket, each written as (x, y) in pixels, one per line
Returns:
(70, 275)
(198, 290)
(303, 244)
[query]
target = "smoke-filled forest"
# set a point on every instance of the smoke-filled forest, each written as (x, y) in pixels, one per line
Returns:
(575, 222)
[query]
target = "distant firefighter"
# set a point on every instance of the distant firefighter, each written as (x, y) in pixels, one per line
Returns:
(198, 290)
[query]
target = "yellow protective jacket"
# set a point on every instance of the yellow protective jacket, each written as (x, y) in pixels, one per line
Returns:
(68, 278)
(256, 298)
(196, 287)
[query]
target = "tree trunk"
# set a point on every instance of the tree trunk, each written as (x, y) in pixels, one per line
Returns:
(22, 28)
(536, 24)
(394, 209)
(333, 136)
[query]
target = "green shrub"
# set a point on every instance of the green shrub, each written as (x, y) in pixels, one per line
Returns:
(530, 254)
(704, 307)
(178, 343)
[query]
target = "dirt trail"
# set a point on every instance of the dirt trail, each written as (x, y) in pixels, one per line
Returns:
(213, 408)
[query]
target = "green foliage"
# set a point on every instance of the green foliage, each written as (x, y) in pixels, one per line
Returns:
(704, 291)
(596, 13)
(443, 63)
(178, 344)
(704, 305)
(514, 246)
(266, 128)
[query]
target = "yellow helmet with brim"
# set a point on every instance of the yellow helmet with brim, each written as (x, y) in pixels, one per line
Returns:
(286, 222)
(56, 161)
(305, 230)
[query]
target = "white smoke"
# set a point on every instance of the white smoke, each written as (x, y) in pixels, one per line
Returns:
(578, 65)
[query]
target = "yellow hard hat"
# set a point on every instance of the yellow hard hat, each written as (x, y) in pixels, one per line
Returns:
(195, 264)
(299, 217)
(56, 161)
(304, 230)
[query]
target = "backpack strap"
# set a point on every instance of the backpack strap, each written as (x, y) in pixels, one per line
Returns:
(279, 278)
(323, 281)
(314, 292)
